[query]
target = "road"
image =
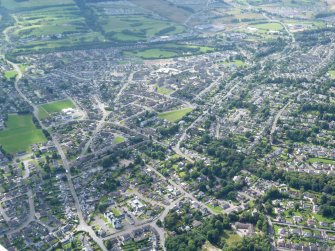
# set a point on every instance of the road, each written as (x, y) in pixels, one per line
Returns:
(275, 121)
(282, 24)
(83, 226)
(100, 125)
(180, 188)
(176, 148)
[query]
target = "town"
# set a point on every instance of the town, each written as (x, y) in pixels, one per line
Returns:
(167, 125)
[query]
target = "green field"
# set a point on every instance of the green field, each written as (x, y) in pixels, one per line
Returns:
(237, 62)
(175, 115)
(216, 209)
(332, 74)
(16, 5)
(169, 50)
(321, 160)
(10, 74)
(118, 139)
(151, 53)
(46, 110)
(50, 22)
(132, 28)
(164, 91)
(267, 27)
(50, 26)
(20, 133)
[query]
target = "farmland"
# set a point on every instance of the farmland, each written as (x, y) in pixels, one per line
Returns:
(20, 133)
(132, 28)
(31, 4)
(175, 115)
(46, 26)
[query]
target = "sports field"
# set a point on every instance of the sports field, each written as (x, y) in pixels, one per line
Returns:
(20, 133)
(46, 110)
(175, 115)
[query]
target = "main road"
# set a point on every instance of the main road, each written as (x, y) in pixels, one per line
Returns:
(83, 226)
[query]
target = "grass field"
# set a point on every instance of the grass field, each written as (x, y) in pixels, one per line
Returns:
(332, 74)
(20, 133)
(164, 91)
(10, 74)
(265, 27)
(46, 110)
(238, 63)
(50, 22)
(175, 115)
(151, 53)
(16, 5)
(132, 28)
(118, 139)
(321, 160)
(169, 50)
(215, 209)
(46, 25)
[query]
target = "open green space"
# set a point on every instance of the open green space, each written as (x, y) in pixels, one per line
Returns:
(332, 74)
(233, 239)
(267, 27)
(216, 209)
(16, 5)
(237, 62)
(116, 212)
(46, 110)
(132, 245)
(118, 139)
(151, 53)
(175, 115)
(20, 133)
(132, 28)
(321, 160)
(169, 50)
(53, 21)
(164, 91)
(50, 26)
(10, 74)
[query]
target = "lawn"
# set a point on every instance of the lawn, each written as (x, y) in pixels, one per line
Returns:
(321, 160)
(116, 212)
(169, 50)
(233, 238)
(10, 74)
(268, 26)
(151, 53)
(332, 74)
(216, 209)
(175, 115)
(20, 133)
(237, 62)
(52, 107)
(164, 91)
(118, 139)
